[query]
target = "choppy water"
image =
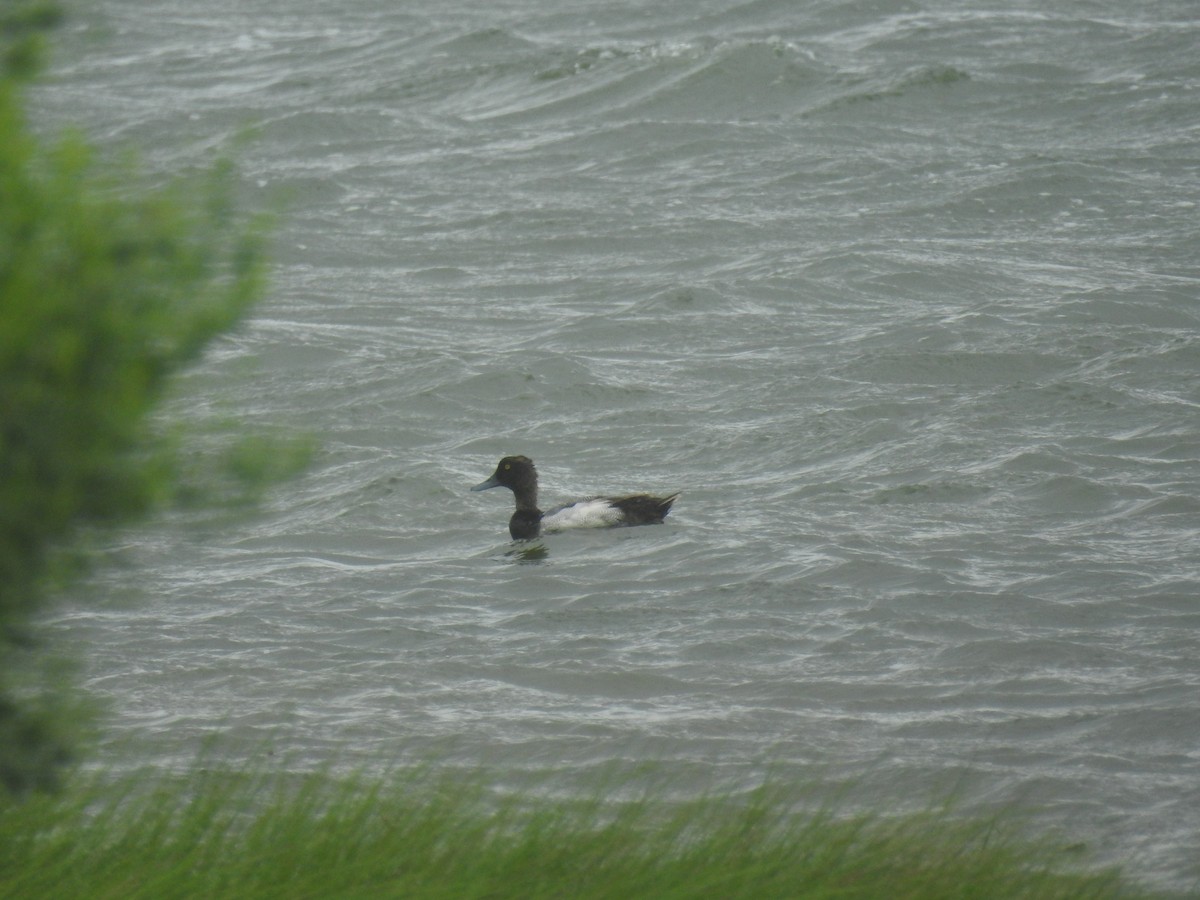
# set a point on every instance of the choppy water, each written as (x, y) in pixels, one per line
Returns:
(904, 297)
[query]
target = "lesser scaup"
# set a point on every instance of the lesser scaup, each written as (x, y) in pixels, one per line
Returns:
(518, 475)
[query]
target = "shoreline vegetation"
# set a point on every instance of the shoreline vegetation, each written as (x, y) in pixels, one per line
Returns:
(114, 282)
(223, 833)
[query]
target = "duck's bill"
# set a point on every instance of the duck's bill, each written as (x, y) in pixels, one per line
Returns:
(484, 485)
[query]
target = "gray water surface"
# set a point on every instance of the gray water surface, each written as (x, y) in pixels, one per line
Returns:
(902, 296)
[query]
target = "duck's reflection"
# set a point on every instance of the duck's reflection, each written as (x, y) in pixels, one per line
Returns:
(528, 552)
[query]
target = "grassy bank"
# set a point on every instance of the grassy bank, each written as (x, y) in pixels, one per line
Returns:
(216, 834)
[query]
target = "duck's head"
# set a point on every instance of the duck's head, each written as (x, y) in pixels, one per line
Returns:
(513, 472)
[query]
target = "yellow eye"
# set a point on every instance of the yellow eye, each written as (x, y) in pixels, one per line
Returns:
(507, 466)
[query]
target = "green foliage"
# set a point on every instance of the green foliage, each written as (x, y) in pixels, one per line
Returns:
(22, 26)
(108, 287)
(228, 834)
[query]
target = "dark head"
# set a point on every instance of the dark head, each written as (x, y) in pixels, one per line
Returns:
(518, 475)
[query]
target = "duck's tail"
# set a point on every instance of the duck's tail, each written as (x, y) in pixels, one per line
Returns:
(643, 509)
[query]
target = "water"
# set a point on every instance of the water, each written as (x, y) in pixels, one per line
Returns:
(903, 296)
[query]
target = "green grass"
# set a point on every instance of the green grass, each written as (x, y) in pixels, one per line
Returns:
(221, 834)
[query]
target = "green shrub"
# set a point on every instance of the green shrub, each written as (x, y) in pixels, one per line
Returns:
(108, 287)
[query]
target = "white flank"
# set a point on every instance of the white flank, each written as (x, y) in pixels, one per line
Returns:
(598, 513)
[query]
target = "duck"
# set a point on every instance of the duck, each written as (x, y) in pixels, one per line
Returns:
(518, 474)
